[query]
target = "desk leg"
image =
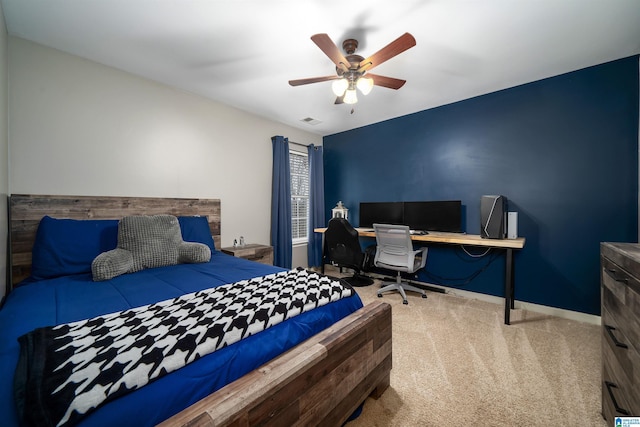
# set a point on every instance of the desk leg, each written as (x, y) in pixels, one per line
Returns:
(509, 287)
(322, 256)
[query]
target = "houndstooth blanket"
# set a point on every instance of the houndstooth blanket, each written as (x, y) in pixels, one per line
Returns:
(67, 371)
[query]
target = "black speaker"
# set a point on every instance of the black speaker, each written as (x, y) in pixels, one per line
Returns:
(493, 223)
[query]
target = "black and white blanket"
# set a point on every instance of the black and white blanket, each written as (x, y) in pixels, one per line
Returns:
(68, 370)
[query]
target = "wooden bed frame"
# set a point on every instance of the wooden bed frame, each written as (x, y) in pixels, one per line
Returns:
(321, 381)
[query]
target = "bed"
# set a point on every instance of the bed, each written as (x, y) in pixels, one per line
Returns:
(314, 369)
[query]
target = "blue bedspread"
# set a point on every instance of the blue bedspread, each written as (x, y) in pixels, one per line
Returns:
(71, 298)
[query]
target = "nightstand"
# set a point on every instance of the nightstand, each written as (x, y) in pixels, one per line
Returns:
(252, 252)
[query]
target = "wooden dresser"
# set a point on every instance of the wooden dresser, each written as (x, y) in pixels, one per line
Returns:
(620, 291)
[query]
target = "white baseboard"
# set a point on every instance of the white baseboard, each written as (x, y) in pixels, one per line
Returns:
(559, 312)
(529, 306)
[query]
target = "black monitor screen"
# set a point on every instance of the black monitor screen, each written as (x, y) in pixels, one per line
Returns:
(434, 216)
(381, 213)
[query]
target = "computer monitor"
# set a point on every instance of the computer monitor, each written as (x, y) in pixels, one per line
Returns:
(380, 213)
(434, 215)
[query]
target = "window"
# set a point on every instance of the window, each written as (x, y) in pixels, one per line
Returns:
(299, 164)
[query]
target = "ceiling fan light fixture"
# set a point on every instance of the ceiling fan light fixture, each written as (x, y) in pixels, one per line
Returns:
(339, 86)
(350, 96)
(365, 84)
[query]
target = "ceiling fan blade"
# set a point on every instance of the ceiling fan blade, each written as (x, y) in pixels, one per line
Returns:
(331, 50)
(300, 82)
(384, 81)
(396, 47)
(339, 100)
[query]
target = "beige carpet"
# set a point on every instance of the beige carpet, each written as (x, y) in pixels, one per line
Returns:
(455, 363)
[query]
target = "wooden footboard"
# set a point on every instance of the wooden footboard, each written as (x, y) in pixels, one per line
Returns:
(319, 382)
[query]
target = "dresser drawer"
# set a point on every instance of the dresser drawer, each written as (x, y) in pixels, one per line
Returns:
(615, 398)
(621, 300)
(620, 374)
(617, 347)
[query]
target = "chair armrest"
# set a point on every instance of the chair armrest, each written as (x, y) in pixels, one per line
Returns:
(422, 253)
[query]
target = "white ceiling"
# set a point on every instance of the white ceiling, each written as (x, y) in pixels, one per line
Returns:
(243, 53)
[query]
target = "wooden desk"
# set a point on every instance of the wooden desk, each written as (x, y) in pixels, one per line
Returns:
(508, 245)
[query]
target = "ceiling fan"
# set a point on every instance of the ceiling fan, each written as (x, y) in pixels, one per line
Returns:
(352, 71)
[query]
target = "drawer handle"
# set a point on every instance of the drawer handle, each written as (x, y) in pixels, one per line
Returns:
(616, 275)
(613, 399)
(610, 330)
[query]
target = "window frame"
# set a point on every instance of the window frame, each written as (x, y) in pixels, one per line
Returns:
(300, 240)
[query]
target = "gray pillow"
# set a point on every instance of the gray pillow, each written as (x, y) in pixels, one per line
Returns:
(112, 263)
(147, 242)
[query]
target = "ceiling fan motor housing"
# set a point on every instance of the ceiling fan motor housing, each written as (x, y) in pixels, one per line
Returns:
(350, 46)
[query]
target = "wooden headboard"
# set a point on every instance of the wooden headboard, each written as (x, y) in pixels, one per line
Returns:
(26, 210)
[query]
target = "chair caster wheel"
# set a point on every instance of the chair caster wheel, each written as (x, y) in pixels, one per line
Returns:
(379, 295)
(405, 302)
(424, 296)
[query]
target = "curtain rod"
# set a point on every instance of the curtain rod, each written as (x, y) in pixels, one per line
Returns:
(297, 143)
(300, 144)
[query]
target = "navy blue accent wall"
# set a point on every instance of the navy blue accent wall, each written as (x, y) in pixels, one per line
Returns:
(564, 150)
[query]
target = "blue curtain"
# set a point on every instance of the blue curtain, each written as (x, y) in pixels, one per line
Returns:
(316, 205)
(281, 203)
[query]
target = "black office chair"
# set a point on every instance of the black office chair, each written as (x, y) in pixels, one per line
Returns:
(342, 248)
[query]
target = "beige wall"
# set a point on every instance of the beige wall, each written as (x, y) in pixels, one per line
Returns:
(4, 147)
(78, 127)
